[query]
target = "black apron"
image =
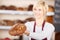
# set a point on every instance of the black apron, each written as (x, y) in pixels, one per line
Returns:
(42, 30)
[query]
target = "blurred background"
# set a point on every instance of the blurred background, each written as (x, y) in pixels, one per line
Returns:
(20, 11)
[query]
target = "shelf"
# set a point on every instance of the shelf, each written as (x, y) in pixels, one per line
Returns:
(5, 27)
(50, 13)
(16, 12)
(22, 12)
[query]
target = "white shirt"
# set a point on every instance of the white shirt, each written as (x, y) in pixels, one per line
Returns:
(39, 34)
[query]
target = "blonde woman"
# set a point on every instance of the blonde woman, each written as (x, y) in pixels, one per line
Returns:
(39, 29)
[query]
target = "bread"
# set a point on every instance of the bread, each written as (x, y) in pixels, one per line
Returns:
(9, 22)
(17, 30)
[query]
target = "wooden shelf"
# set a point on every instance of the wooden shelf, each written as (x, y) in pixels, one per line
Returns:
(16, 12)
(5, 27)
(22, 12)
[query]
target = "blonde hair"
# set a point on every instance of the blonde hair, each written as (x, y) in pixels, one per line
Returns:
(43, 3)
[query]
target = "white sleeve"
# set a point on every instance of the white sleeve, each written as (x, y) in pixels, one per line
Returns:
(47, 32)
(27, 24)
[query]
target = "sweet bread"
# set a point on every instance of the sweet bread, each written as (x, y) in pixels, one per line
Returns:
(17, 30)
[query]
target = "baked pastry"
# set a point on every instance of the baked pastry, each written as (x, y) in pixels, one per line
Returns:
(17, 30)
(9, 22)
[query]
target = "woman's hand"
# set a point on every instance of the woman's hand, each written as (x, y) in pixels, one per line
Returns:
(27, 33)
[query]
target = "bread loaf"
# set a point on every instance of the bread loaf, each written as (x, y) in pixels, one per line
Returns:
(17, 30)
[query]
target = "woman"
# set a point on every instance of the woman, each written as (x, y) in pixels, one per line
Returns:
(39, 29)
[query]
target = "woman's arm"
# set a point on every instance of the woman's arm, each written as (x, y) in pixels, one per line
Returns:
(47, 32)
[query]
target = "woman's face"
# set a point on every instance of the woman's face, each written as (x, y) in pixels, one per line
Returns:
(38, 11)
